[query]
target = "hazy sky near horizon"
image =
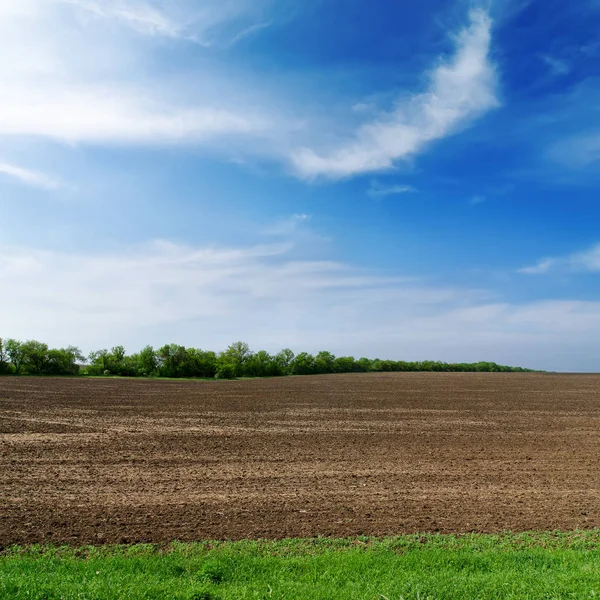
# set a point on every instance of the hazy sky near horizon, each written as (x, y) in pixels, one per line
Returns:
(406, 180)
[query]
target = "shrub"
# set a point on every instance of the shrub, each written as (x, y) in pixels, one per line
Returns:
(225, 371)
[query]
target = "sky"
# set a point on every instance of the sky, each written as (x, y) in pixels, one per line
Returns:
(394, 179)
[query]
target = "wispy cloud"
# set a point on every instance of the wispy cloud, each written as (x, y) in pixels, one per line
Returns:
(461, 89)
(557, 66)
(289, 226)
(541, 267)
(579, 151)
(164, 283)
(585, 261)
(103, 114)
(377, 190)
(141, 16)
(61, 82)
(207, 23)
(478, 199)
(211, 296)
(30, 178)
(248, 32)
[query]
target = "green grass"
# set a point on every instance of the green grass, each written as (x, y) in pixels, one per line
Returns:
(523, 566)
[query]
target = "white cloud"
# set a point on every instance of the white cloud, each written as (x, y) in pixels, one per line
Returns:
(543, 266)
(460, 90)
(81, 81)
(141, 16)
(207, 23)
(30, 178)
(105, 114)
(289, 226)
(378, 190)
(86, 72)
(586, 261)
(59, 294)
(578, 151)
(209, 297)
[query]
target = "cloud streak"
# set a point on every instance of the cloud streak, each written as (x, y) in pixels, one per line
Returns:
(30, 178)
(103, 114)
(74, 80)
(207, 23)
(587, 261)
(248, 31)
(163, 283)
(61, 85)
(579, 151)
(381, 191)
(140, 16)
(556, 66)
(210, 296)
(460, 90)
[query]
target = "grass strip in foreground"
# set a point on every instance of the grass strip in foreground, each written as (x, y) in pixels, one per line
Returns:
(523, 566)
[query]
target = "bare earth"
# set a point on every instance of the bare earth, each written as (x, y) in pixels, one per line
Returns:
(105, 460)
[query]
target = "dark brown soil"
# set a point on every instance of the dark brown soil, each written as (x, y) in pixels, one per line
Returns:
(105, 460)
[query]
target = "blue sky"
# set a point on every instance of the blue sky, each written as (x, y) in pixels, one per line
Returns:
(397, 179)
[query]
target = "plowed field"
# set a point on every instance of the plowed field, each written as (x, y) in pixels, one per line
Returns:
(113, 460)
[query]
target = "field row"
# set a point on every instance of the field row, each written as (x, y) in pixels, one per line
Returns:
(124, 461)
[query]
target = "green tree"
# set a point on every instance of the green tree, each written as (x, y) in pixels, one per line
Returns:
(345, 364)
(303, 364)
(117, 354)
(201, 363)
(375, 365)
(64, 361)
(172, 360)
(364, 364)
(324, 362)
(262, 364)
(284, 359)
(236, 354)
(147, 362)
(4, 360)
(35, 357)
(14, 350)
(100, 362)
(225, 370)
(387, 366)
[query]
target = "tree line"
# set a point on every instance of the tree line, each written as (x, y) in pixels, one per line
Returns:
(172, 360)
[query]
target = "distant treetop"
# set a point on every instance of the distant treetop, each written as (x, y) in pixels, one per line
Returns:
(172, 360)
